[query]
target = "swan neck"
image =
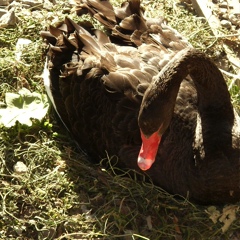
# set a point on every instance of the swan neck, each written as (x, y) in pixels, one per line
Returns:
(211, 87)
(160, 97)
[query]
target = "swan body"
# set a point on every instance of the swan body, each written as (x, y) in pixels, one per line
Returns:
(143, 93)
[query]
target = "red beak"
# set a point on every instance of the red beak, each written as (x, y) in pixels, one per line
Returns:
(148, 150)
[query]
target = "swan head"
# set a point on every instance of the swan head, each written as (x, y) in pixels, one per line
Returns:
(154, 117)
(153, 125)
(152, 122)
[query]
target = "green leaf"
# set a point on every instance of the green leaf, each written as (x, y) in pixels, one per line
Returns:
(22, 107)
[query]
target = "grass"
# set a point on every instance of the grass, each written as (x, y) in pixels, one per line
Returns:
(63, 195)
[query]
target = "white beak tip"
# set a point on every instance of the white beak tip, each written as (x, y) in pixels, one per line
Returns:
(145, 164)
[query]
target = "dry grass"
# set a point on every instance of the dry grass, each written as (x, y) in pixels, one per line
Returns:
(63, 195)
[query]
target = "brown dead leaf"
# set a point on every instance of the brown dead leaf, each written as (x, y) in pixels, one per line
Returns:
(214, 214)
(177, 228)
(228, 216)
(149, 222)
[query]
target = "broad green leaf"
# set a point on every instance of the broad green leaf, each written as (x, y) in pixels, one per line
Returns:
(22, 107)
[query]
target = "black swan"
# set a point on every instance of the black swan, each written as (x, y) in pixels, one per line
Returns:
(138, 90)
